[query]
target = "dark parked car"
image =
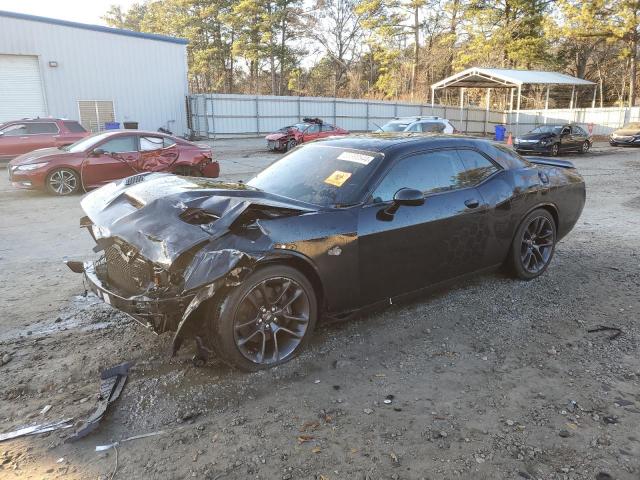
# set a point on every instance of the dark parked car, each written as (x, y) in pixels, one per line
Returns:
(553, 140)
(310, 129)
(108, 156)
(247, 269)
(22, 136)
(627, 135)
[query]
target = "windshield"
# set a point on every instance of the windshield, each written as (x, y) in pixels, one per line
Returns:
(547, 129)
(394, 127)
(321, 175)
(86, 143)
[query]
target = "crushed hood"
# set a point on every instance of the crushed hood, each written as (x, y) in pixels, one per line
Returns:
(164, 215)
(277, 135)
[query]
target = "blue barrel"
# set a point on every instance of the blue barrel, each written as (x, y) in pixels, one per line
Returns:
(500, 131)
(111, 125)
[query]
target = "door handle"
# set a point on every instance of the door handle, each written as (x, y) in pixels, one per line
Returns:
(472, 203)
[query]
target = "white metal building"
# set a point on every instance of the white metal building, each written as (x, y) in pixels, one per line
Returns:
(91, 73)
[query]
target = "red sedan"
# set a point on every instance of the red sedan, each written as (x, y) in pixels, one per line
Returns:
(310, 129)
(22, 136)
(108, 156)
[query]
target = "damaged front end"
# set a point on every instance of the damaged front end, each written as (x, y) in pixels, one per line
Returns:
(167, 244)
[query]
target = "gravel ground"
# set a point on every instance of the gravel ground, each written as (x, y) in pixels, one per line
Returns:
(491, 379)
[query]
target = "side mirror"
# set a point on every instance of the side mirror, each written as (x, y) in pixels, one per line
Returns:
(409, 197)
(405, 196)
(97, 152)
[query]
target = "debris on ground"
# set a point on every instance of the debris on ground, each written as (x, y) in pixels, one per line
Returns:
(604, 328)
(102, 448)
(113, 380)
(36, 429)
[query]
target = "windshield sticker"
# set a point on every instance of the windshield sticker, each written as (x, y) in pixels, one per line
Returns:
(355, 157)
(337, 178)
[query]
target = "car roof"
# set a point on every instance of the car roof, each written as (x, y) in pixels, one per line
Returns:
(44, 119)
(396, 142)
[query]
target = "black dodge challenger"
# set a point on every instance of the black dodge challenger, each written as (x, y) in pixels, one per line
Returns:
(247, 269)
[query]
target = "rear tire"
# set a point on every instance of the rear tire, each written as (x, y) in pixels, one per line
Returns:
(266, 320)
(63, 182)
(533, 245)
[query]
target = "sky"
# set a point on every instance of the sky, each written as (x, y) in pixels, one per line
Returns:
(85, 11)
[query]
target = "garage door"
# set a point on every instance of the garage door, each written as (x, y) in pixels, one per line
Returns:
(21, 93)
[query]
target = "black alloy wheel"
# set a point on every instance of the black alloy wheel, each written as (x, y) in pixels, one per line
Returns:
(555, 149)
(291, 145)
(266, 320)
(533, 245)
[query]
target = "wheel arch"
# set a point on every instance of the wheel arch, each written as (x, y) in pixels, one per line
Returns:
(549, 207)
(195, 314)
(304, 265)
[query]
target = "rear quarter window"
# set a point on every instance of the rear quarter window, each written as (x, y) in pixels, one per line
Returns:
(506, 157)
(74, 127)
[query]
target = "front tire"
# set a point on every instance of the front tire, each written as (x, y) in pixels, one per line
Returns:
(291, 144)
(585, 147)
(555, 149)
(62, 182)
(533, 245)
(265, 321)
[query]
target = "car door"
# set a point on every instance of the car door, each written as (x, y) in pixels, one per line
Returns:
(42, 134)
(579, 136)
(311, 133)
(156, 153)
(326, 130)
(421, 245)
(12, 140)
(112, 159)
(566, 142)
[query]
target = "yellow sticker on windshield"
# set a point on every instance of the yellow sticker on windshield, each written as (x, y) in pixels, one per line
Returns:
(337, 178)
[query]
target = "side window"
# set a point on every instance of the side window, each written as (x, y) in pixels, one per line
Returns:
(566, 131)
(41, 128)
(168, 142)
(428, 172)
(415, 127)
(120, 145)
(476, 168)
(579, 131)
(14, 130)
(74, 127)
(148, 144)
(314, 128)
(433, 127)
(327, 128)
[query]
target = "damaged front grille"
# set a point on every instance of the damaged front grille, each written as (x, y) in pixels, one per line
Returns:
(126, 270)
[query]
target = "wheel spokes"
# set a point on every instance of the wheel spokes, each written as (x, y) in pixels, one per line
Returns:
(268, 331)
(537, 242)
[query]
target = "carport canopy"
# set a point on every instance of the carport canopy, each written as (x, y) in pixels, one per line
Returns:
(514, 80)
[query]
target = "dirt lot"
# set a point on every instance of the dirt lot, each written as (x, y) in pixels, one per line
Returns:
(493, 379)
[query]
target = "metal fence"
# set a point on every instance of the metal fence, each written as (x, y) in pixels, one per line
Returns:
(220, 115)
(216, 115)
(602, 120)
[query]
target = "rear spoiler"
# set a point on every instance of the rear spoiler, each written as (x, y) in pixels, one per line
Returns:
(552, 162)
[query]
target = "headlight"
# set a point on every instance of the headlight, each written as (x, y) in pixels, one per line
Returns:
(30, 166)
(545, 141)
